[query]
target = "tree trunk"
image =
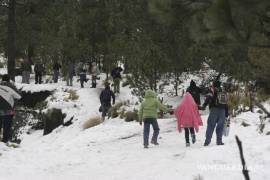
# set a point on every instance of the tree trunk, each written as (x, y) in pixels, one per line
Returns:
(11, 38)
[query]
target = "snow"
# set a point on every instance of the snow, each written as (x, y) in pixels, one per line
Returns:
(3, 71)
(113, 150)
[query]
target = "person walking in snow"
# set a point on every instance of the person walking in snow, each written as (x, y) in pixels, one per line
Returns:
(148, 113)
(94, 71)
(106, 97)
(39, 70)
(195, 92)
(26, 71)
(217, 101)
(188, 117)
(7, 96)
(56, 71)
(70, 73)
(83, 78)
(116, 75)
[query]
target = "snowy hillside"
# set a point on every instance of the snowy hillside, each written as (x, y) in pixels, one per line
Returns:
(113, 150)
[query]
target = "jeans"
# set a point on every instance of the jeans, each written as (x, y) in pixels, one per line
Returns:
(187, 130)
(69, 80)
(7, 123)
(215, 120)
(146, 130)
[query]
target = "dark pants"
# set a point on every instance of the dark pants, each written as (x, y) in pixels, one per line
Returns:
(215, 120)
(55, 76)
(82, 79)
(105, 108)
(38, 77)
(7, 123)
(116, 85)
(146, 130)
(187, 130)
(94, 81)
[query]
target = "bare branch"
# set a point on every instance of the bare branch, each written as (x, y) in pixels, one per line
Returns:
(244, 170)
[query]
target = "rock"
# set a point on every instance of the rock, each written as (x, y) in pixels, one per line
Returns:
(245, 124)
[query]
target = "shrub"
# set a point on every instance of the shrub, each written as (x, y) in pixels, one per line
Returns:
(91, 122)
(72, 95)
(262, 95)
(114, 110)
(125, 83)
(131, 116)
(41, 105)
(52, 119)
(233, 101)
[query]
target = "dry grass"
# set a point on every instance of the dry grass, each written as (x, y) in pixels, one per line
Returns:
(91, 122)
(72, 95)
(131, 116)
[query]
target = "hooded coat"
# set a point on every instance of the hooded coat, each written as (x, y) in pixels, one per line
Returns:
(150, 106)
(187, 114)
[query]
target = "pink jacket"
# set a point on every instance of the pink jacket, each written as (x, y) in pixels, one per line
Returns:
(187, 114)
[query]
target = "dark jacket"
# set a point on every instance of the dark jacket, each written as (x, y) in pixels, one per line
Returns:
(116, 72)
(195, 92)
(106, 96)
(39, 68)
(56, 66)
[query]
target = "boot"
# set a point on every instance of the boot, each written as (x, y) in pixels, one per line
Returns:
(193, 136)
(220, 144)
(187, 144)
(155, 143)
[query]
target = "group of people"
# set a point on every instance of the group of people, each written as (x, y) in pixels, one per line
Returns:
(70, 70)
(187, 114)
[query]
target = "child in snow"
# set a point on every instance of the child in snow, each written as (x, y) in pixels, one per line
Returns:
(148, 115)
(188, 117)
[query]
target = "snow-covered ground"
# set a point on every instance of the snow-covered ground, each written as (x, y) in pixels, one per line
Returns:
(113, 150)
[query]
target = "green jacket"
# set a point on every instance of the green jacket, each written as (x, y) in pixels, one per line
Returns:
(150, 106)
